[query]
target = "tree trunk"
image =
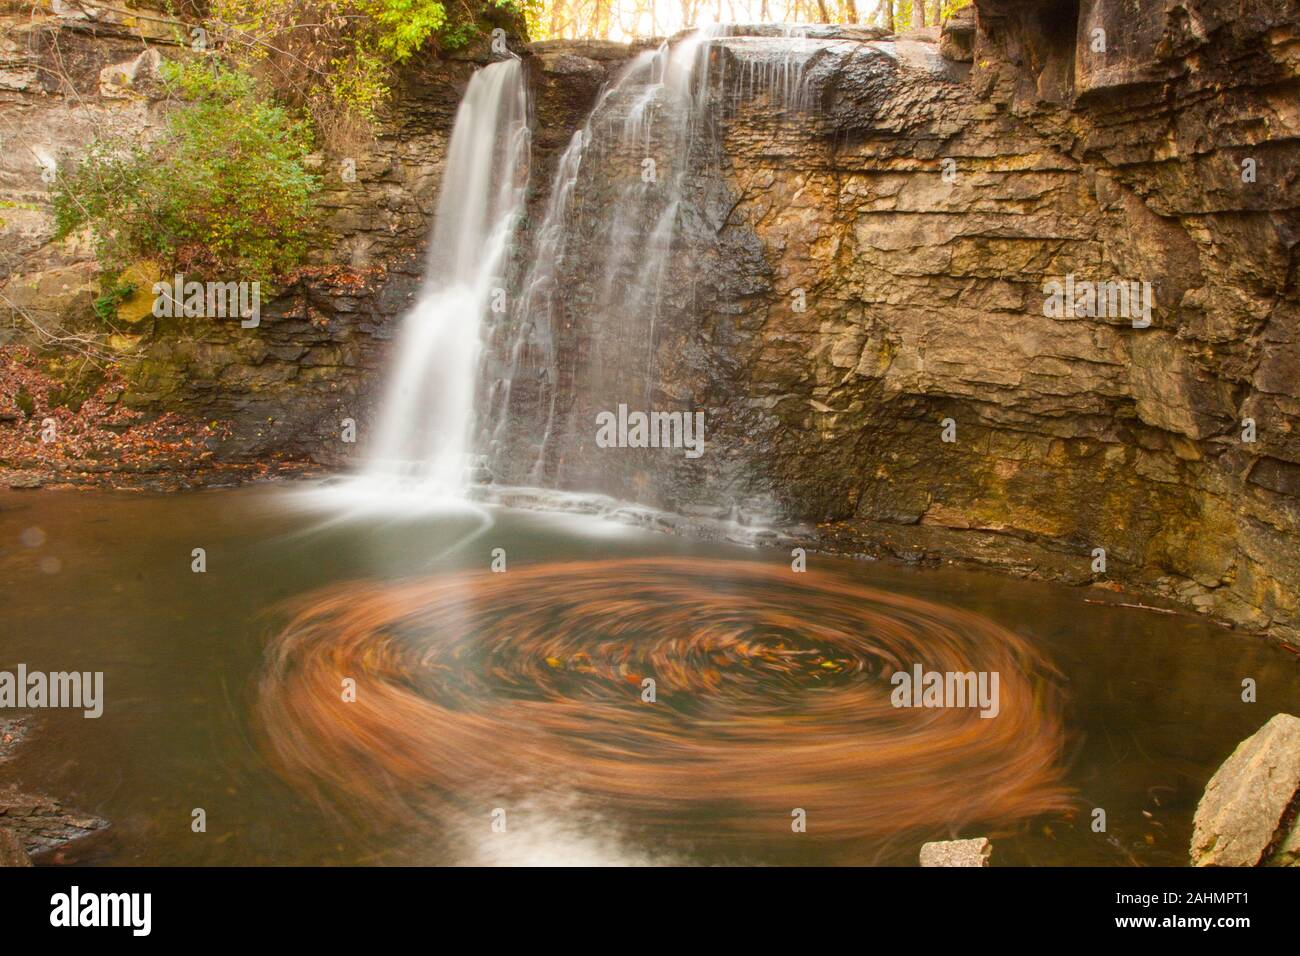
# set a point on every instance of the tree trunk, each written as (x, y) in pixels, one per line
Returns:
(851, 8)
(918, 14)
(889, 16)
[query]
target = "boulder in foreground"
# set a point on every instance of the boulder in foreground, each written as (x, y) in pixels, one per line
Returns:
(1247, 806)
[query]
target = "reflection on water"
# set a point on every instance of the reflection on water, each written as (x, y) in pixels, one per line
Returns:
(522, 691)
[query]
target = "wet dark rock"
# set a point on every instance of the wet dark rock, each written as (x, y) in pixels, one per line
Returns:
(35, 826)
(45, 828)
(12, 851)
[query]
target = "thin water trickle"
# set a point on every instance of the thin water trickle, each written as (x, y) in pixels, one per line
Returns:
(636, 143)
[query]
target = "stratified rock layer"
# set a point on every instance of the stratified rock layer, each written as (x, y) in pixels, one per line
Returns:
(12, 851)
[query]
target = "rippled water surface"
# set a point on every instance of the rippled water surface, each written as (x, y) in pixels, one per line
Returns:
(519, 696)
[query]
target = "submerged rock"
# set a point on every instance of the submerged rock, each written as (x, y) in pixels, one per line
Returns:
(1246, 811)
(44, 826)
(12, 852)
(13, 731)
(974, 852)
(34, 825)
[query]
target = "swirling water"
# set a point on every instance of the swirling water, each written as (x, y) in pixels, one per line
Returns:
(522, 691)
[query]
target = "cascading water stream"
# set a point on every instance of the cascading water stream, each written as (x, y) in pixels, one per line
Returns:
(426, 414)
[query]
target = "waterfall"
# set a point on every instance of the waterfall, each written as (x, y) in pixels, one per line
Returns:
(628, 236)
(502, 384)
(633, 150)
(424, 423)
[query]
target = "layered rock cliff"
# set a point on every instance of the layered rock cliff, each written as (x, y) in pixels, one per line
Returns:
(1170, 158)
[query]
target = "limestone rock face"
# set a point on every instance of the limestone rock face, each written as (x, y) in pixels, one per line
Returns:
(1246, 800)
(138, 77)
(62, 80)
(45, 298)
(860, 273)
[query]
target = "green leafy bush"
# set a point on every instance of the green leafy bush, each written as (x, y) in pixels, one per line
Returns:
(399, 27)
(223, 194)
